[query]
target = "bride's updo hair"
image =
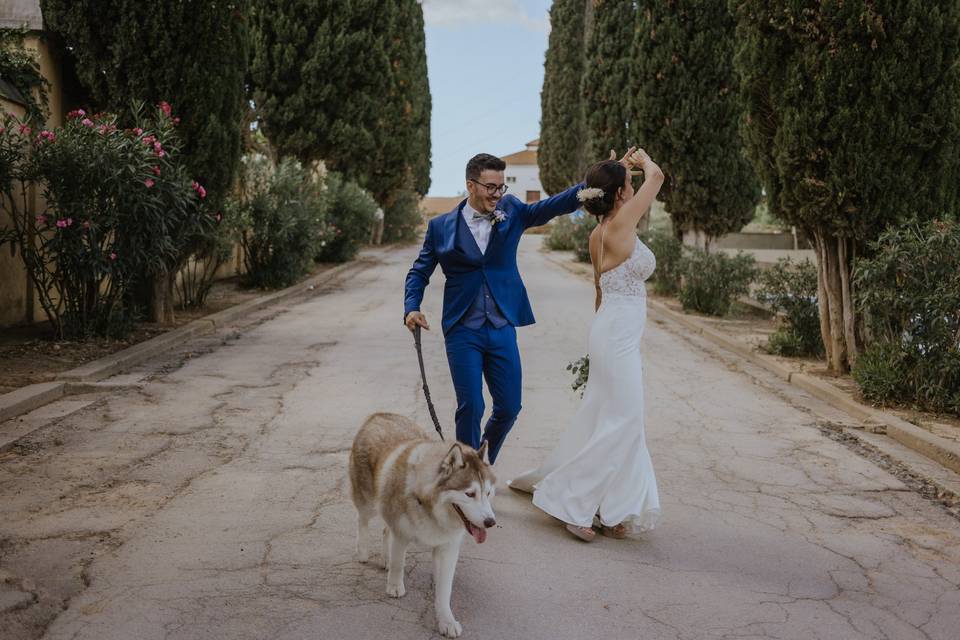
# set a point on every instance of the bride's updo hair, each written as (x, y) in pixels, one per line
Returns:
(609, 177)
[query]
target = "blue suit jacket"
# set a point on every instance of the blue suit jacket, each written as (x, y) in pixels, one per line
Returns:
(465, 266)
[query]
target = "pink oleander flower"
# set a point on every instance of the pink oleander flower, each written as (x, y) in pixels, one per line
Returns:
(87, 122)
(166, 108)
(149, 139)
(156, 170)
(76, 113)
(113, 255)
(63, 223)
(49, 136)
(218, 217)
(138, 131)
(41, 219)
(199, 189)
(176, 120)
(149, 182)
(24, 129)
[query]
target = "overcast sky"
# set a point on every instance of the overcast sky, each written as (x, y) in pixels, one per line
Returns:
(485, 62)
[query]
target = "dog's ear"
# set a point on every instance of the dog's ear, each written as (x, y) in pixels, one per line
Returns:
(454, 457)
(483, 451)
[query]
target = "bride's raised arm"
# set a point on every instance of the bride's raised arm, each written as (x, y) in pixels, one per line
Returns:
(635, 208)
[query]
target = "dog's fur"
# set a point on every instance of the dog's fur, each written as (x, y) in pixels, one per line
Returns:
(426, 492)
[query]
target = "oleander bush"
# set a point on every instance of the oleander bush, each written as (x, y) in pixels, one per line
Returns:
(119, 213)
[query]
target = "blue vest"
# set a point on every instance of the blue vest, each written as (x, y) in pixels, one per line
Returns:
(484, 307)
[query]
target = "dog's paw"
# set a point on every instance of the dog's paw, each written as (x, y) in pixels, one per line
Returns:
(396, 591)
(450, 628)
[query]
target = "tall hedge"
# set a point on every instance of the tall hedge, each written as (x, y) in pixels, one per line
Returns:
(190, 54)
(561, 121)
(606, 75)
(685, 112)
(852, 124)
(346, 83)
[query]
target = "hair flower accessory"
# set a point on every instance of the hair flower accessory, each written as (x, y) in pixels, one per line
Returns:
(590, 193)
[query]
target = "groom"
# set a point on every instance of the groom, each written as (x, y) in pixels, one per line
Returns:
(484, 299)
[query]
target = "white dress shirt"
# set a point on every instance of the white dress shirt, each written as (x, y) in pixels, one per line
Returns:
(479, 227)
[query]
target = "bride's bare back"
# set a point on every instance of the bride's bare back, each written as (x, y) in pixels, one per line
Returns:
(613, 240)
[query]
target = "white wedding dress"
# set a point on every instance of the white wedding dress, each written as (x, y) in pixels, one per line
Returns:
(601, 466)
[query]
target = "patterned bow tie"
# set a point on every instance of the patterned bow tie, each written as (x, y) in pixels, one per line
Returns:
(483, 216)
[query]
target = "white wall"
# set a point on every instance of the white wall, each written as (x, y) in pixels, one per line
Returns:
(522, 178)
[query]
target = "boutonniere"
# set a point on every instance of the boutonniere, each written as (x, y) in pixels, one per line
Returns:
(498, 216)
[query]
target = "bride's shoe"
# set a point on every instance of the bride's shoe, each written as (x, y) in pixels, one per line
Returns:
(584, 533)
(617, 531)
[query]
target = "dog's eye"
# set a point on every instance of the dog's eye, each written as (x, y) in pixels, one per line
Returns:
(471, 494)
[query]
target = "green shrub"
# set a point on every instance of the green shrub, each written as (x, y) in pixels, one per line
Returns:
(350, 212)
(584, 225)
(669, 253)
(879, 373)
(402, 219)
(908, 291)
(791, 289)
(283, 216)
(712, 281)
(560, 236)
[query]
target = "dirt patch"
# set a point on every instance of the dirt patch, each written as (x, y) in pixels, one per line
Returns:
(30, 355)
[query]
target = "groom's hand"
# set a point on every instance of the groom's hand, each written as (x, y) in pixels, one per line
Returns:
(415, 318)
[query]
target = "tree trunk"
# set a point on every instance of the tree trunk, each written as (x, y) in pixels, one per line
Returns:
(161, 303)
(845, 253)
(834, 301)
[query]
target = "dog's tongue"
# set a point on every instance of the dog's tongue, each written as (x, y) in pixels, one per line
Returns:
(479, 534)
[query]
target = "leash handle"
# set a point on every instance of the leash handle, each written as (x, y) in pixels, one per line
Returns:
(423, 376)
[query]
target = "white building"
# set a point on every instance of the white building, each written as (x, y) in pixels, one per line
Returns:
(522, 174)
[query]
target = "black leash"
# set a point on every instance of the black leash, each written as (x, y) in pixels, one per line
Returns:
(423, 376)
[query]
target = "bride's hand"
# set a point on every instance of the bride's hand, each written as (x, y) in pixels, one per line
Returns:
(635, 156)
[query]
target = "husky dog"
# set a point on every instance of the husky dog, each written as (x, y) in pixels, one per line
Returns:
(426, 492)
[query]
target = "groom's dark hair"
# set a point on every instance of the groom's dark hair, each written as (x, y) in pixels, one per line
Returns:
(483, 162)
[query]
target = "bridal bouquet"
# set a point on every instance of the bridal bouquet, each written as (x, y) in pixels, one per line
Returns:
(581, 370)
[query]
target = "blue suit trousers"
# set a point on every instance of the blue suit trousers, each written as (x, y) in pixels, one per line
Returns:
(492, 354)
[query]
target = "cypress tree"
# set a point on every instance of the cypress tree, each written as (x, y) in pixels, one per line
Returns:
(851, 122)
(422, 101)
(403, 118)
(191, 54)
(346, 83)
(319, 70)
(561, 120)
(685, 112)
(606, 71)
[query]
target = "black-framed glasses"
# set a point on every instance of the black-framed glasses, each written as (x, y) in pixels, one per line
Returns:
(492, 189)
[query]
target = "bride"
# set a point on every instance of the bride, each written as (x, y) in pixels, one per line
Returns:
(600, 472)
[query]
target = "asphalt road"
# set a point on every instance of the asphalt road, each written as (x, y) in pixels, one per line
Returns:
(210, 501)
